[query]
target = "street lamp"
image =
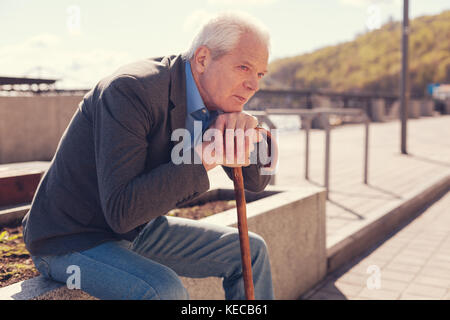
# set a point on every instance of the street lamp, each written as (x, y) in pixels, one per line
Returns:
(404, 83)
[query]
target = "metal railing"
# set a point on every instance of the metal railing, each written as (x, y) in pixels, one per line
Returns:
(308, 115)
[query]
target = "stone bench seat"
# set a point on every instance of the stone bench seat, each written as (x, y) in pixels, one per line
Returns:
(41, 288)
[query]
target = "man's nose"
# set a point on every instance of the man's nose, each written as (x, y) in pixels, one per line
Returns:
(252, 83)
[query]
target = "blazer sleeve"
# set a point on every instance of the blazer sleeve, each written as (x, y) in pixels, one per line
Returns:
(129, 195)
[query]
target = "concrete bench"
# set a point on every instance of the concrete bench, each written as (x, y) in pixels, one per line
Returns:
(291, 221)
(40, 288)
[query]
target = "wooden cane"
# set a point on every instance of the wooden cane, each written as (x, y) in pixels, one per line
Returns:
(241, 206)
(238, 181)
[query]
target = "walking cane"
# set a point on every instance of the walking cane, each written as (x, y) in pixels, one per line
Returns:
(238, 181)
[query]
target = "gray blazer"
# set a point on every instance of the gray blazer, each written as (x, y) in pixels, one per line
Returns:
(112, 172)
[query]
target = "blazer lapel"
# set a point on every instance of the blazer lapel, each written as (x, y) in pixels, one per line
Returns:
(177, 93)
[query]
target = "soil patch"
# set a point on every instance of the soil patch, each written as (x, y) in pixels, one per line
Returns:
(15, 261)
(203, 210)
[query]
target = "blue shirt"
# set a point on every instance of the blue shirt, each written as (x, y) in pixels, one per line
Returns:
(195, 109)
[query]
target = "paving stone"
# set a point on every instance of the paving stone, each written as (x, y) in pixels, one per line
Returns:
(397, 275)
(348, 290)
(435, 272)
(435, 281)
(409, 296)
(425, 290)
(447, 296)
(379, 294)
(353, 278)
(393, 285)
(409, 260)
(402, 267)
(439, 264)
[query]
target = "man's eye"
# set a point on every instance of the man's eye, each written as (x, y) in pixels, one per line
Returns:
(245, 68)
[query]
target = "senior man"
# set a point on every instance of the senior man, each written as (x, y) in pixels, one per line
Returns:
(101, 205)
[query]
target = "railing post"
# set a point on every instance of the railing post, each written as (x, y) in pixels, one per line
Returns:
(327, 152)
(264, 118)
(307, 127)
(366, 149)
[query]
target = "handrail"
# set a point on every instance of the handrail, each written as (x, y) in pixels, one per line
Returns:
(309, 115)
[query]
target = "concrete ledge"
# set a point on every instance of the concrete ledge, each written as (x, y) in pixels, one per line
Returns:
(414, 108)
(357, 238)
(377, 110)
(393, 112)
(40, 288)
(427, 108)
(11, 214)
(293, 225)
(446, 107)
(291, 221)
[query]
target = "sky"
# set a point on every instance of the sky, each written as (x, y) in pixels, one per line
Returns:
(81, 41)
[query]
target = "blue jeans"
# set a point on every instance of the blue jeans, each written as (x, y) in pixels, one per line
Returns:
(168, 247)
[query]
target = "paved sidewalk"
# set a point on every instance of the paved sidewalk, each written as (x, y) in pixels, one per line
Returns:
(413, 264)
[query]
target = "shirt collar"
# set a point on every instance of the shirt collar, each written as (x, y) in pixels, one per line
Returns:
(193, 99)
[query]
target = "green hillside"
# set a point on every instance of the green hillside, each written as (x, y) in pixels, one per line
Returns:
(372, 62)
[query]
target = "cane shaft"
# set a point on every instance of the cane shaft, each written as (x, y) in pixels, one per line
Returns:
(243, 233)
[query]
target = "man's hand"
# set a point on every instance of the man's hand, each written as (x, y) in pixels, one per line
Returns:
(230, 140)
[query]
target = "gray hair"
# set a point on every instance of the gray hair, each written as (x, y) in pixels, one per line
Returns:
(221, 33)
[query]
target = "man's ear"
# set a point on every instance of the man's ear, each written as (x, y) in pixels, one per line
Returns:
(202, 57)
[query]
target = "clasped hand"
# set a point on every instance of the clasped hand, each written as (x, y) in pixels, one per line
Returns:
(229, 141)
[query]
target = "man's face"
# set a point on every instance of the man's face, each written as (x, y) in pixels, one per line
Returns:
(228, 82)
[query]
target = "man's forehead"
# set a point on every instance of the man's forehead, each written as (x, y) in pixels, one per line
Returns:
(256, 61)
(252, 50)
(254, 58)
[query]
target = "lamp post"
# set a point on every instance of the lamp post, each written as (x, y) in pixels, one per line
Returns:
(404, 83)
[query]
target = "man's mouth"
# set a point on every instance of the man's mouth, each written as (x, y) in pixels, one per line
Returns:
(241, 99)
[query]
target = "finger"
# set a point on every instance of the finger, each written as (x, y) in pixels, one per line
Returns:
(242, 125)
(242, 121)
(229, 146)
(230, 124)
(248, 149)
(241, 146)
(252, 121)
(230, 120)
(215, 148)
